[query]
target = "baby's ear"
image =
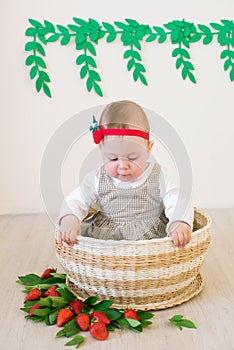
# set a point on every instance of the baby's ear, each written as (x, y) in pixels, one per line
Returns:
(150, 146)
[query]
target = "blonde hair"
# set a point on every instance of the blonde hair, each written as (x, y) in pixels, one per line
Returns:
(124, 114)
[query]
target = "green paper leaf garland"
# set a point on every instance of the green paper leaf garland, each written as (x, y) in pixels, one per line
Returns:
(86, 34)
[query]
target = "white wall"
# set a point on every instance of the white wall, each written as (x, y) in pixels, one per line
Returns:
(202, 114)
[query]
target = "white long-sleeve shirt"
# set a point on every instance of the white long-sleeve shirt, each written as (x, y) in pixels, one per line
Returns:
(85, 196)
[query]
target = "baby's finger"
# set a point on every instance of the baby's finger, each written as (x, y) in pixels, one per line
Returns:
(181, 240)
(175, 239)
(60, 242)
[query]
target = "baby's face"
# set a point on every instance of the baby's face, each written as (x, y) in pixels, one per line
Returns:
(125, 158)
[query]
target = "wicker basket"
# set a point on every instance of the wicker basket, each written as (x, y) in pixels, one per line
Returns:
(145, 275)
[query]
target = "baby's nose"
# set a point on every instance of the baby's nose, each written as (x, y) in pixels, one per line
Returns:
(123, 163)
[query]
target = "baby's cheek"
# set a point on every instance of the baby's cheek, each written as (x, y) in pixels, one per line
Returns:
(110, 169)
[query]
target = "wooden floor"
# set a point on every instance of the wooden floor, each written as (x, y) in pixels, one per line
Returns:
(27, 246)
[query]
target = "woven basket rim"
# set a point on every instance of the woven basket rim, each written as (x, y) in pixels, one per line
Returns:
(140, 242)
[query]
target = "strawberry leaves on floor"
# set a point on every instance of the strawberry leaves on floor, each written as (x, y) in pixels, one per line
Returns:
(54, 303)
(180, 322)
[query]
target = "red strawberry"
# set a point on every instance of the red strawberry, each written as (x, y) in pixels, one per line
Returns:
(34, 294)
(35, 306)
(47, 273)
(131, 314)
(98, 330)
(64, 316)
(51, 292)
(76, 306)
(83, 321)
(100, 316)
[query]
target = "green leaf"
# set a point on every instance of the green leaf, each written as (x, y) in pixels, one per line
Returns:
(194, 38)
(162, 34)
(227, 64)
(93, 23)
(76, 341)
(91, 48)
(73, 28)
(30, 31)
(184, 73)
(137, 44)
(225, 53)
(170, 26)
(216, 26)
(83, 71)
(43, 75)
(71, 328)
(94, 36)
(90, 61)
(31, 45)
(33, 72)
(128, 53)
(40, 61)
(180, 322)
(35, 23)
(126, 36)
(81, 59)
(35, 318)
(46, 90)
(41, 312)
(130, 64)
(176, 318)
(109, 27)
(132, 22)
(143, 79)
(151, 38)
(175, 36)
(207, 32)
(39, 84)
(135, 74)
(91, 300)
(121, 25)
(29, 60)
(179, 62)
(58, 301)
(40, 49)
(123, 323)
(103, 305)
(30, 279)
(61, 333)
(140, 67)
(94, 75)
(133, 323)
(112, 314)
(111, 37)
(144, 315)
(66, 294)
(232, 74)
(89, 84)
(42, 39)
(146, 323)
(81, 22)
(63, 29)
(65, 40)
(53, 38)
(223, 38)
(49, 26)
(188, 65)
(228, 23)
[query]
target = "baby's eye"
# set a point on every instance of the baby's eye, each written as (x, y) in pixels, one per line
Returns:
(113, 159)
(132, 158)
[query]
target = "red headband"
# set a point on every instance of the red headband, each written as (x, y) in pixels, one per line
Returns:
(99, 133)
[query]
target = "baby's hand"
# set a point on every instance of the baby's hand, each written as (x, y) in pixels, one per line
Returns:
(69, 230)
(180, 232)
